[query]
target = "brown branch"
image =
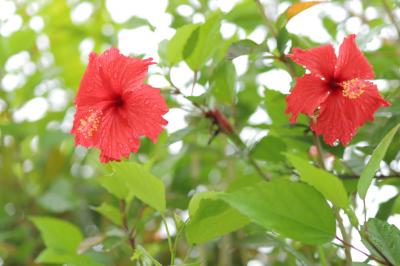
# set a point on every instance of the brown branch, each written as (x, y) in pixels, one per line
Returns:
(371, 257)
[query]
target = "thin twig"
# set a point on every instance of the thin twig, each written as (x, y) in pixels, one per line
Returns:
(320, 152)
(362, 252)
(339, 219)
(170, 246)
(391, 16)
(124, 219)
(267, 22)
(346, 237)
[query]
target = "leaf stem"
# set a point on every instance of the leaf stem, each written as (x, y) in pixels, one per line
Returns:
(320, 151)
(124, 219)
(170, 246)
(339, 219)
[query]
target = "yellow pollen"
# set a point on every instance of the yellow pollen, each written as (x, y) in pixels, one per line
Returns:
(354, 88)
(89, 125)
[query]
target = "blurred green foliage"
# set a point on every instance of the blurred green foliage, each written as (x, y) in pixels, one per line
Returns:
(59, 205)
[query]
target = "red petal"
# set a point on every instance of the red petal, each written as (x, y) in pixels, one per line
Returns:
(308, 94)
(341, 116)
(115, 138)
(91, 89)
(144, 110)
(352, 63)
(110, 74)
(320, 61)
(121, 73)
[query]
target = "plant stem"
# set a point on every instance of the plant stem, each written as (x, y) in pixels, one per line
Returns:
(320, 151)
(267, 22)
(362, 252)
(391, 16)
(322, 256)
(171, 249)
(346, 237)
(124, 219)
(339, 219)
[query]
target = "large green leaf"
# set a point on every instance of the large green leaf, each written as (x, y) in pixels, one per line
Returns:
(203, 42)
(176, 45)
(211, 217)
(295, 210)
(140, 183)
(386, 238)
(329, 185)
(57, 234)
(374, 163)
(269, 148)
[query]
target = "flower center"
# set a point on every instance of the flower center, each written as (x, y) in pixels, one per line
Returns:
(119, 102)
(90, 123)
(333, 84)
(353, 88)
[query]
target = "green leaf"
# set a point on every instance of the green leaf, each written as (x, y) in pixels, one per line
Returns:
(275, 105)
(110, 212)
(210, 218)
(244, 47)
(136, 22)
(386, 238)
(282, 40)
(329, 185)
(142, 255)
(246, 15)
(203, 42)
(115, 185)
(223, 82)
(374, 163)
(387, 208)
(176, 45)
(50, 256)
(140, 183)
(57, 234)
(295, 210)
(269, 148)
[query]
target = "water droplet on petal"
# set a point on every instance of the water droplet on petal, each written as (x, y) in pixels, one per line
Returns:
(336, 143)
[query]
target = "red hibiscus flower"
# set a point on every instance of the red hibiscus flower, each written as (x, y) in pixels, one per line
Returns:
(337, 92)
(114, 108)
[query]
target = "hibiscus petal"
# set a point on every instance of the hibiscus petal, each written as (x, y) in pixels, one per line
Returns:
(120, 73)
(91, 88)
(351, 62)
(144, 110)
(320, 60)
(115, 138)
(341, 116)
(309, 92)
